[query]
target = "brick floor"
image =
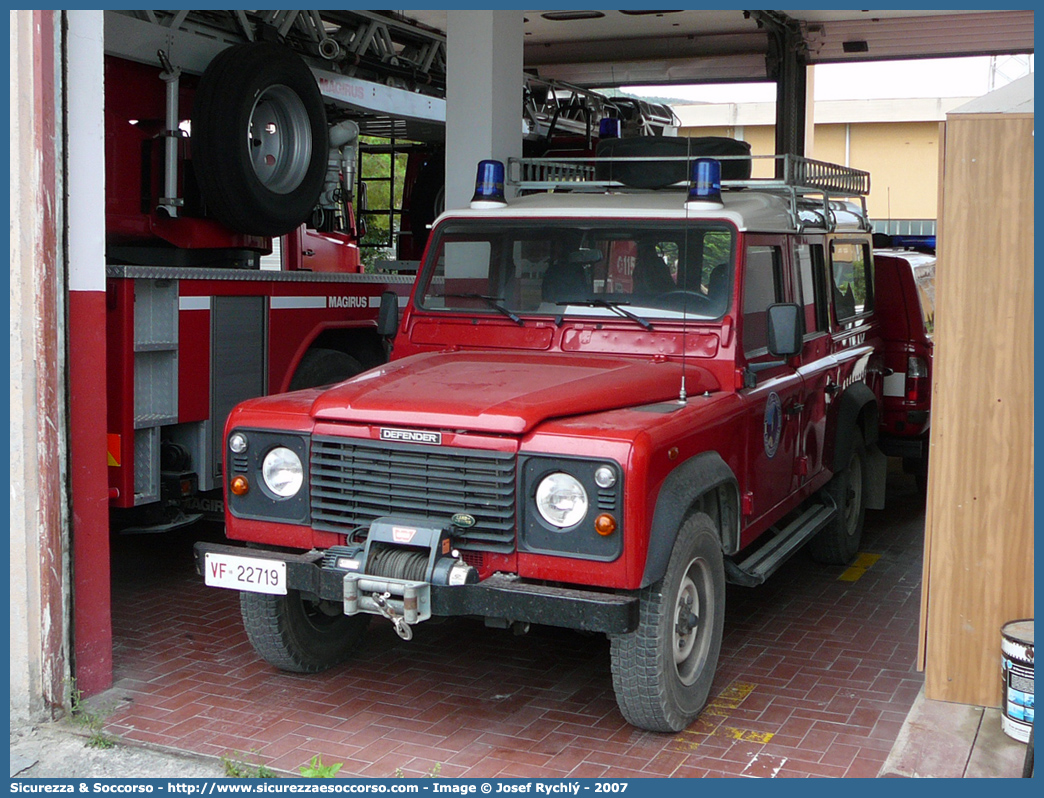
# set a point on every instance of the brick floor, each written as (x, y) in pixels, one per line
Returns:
(816, 676)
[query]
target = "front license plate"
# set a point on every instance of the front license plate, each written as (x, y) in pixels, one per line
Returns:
(245, 573)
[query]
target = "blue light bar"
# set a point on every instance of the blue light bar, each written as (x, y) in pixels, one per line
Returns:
(914, 242)
(706, 183)
(609, 128)
(489, 185)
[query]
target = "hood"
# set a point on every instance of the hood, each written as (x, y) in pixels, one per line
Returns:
(508, 393)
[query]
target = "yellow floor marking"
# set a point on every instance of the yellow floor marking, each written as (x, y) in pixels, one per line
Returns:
(732, 696)
(859, 567)
(747, 736)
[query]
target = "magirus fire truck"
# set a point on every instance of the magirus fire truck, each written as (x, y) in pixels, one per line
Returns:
(604, 402)
(232, 243)
(233, 265)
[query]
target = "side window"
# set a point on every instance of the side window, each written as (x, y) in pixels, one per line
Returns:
(762, 286)
(852, 272)
(808, 260)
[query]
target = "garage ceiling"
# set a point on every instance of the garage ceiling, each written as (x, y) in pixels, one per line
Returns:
(614, 47)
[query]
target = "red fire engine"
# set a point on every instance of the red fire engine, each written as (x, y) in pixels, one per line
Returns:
(233, 264)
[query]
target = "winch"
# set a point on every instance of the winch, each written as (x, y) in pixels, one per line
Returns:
(392, 574)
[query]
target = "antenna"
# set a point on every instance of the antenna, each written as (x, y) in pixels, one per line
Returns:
(685, 262)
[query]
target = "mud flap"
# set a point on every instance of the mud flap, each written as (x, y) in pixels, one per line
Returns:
(877, 472)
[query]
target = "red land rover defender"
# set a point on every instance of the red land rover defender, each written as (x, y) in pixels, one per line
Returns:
(603, 404)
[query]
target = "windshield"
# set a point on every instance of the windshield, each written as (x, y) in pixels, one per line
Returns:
(654, 271)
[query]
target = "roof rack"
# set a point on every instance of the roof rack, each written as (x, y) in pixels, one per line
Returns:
(803, 179)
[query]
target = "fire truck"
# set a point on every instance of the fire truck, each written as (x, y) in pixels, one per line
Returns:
(639, 380)
(232, 240)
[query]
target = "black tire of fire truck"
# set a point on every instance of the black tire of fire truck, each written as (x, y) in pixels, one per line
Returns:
(324, 367)
(300, 635)
(838, 542)
(658, 174)
(662, 671)
(259, 139)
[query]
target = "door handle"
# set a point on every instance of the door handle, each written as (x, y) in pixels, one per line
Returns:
(831, 388)
(795, 409)
(308, 253)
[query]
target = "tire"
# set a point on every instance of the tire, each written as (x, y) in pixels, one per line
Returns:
(324, 367)
(298, 635)
(659, 687)
(259, 139)
(838, 542)
(652, 174)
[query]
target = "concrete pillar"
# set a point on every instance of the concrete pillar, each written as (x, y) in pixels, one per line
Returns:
(88, 473)
(38, 567)
(483, 95)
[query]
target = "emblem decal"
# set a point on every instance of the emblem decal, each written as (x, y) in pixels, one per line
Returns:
(463, 520)
(411, 436)
(403, 534)
(773, 429)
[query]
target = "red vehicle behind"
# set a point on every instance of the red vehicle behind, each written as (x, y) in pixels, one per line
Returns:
(233, 266)
(907, 278)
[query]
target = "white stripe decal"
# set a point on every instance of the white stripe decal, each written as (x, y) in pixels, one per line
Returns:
(292, 302)
(193, 303)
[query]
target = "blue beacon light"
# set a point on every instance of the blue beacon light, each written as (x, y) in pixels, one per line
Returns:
(489, 186)
(609, 128)
(705, 191)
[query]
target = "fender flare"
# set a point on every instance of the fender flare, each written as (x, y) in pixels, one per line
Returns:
(854, 402)
(698, 476)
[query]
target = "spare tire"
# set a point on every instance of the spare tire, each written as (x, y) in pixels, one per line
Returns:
(259, 139)
(653, 174)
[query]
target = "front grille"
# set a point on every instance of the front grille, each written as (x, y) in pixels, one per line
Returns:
(353, 482)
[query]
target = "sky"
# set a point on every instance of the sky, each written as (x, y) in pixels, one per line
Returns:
(943, 77)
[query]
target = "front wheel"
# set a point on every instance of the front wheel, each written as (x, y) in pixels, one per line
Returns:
(662, 671)
(298, 634)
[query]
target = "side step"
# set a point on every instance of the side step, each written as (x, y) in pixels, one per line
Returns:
(754, 570)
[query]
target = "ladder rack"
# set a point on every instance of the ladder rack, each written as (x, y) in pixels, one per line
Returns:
(807, 184)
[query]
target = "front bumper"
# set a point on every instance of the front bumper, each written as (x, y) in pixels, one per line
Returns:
(500, 597)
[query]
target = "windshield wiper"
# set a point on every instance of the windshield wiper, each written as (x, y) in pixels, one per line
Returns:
(493, 302)
(616, 307)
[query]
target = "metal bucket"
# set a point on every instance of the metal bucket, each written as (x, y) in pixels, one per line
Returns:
(1017, 676)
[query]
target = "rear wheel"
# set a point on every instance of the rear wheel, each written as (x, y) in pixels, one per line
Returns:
(662, 672)
(838, 542)
(298, 634)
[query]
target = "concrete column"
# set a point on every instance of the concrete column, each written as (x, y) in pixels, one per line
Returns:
(483, 95)
(38, 565)
(88, 473)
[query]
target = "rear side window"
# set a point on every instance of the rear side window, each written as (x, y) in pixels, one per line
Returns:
(762, 286)
(808, 259)
(925, 279)
(852, 273)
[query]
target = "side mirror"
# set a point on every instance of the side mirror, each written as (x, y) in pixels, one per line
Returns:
(785, 329)
(388, 315)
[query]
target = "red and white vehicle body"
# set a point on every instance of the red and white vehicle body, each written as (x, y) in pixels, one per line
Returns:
(907, 278)
(601, 405)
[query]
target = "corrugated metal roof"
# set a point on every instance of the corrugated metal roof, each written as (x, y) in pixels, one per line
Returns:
(1015, 98)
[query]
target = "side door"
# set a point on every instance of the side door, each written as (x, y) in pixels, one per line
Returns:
(772, 396)
(818, 367)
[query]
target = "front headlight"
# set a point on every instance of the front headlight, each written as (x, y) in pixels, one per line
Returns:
(561, 500)
(282, 472)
